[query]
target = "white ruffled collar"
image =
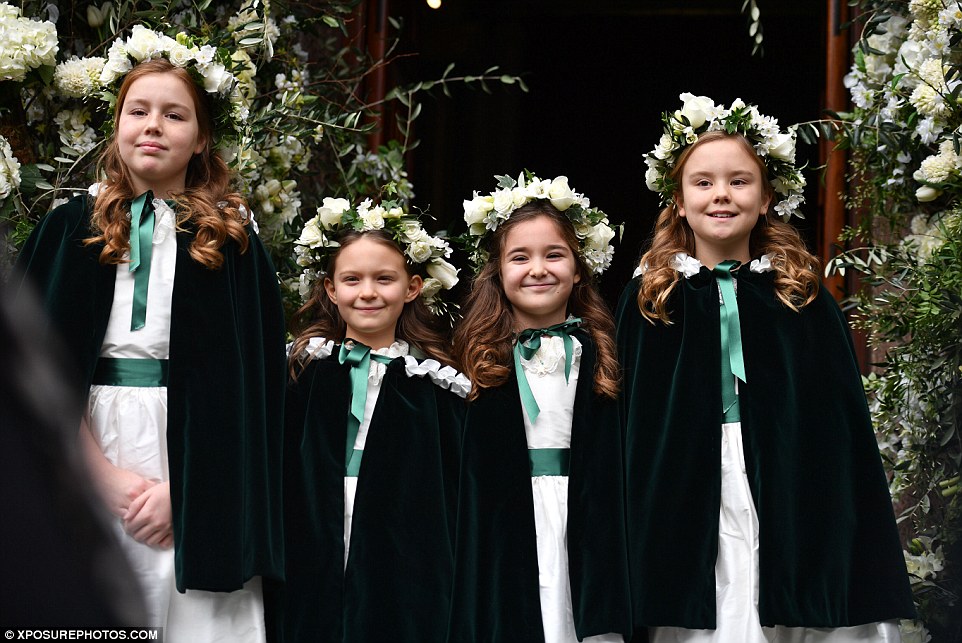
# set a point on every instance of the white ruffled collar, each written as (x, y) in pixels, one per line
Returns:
(444, 376)
(549, 355)
(690, 266)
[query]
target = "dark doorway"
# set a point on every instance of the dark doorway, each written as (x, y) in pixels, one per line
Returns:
(600, 73)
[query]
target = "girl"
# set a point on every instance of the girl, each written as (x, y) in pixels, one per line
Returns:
(372, 437)
(541, 544)
(171, 310)
(780, 521)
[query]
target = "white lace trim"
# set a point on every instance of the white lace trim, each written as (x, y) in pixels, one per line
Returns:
(165, 221)
(689, 266)
(550, 354)
(444, 376)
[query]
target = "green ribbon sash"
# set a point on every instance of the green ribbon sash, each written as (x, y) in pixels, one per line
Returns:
(141, 249)
(733, 359)
(529, 341)
(358, 357)
(124, 371)
(549, 462)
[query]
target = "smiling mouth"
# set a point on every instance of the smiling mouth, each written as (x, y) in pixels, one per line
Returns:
(721, 215)
(151, 146)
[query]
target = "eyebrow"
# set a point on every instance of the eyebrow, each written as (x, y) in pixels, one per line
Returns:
(145, 101)
(554, 246)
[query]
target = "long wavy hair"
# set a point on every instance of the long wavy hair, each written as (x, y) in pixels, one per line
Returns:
(796, 269)
(208, 183)
(484, 339)
(319, 317)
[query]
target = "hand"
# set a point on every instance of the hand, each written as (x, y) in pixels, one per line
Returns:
(149, 519)
(118, 487)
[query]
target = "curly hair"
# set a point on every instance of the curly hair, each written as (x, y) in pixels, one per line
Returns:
(796, 269)
(207, 203)
(484, 339)
(319, 317)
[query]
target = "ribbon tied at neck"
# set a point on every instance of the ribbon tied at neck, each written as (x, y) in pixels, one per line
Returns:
(141, 248)
(529, 341)
(732, 358)
(358, 357)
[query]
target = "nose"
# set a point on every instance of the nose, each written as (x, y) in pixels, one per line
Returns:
(367, 290)
(720, 191)
(153, 123)
(536, 268)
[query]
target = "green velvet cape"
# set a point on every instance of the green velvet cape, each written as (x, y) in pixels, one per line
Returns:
(397, 584)
(829, 554)
(225, 391)
(496, 595)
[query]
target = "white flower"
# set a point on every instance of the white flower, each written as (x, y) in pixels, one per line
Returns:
(444, 272)
(927, 193)
(78, 77)
(503, 200)
(477, 208)
(217, 80)
(430, 288)
(782, 146)
(143, 43)
(419, 251)
(311, 234)
(599, 236)
(9, 169)
(373, 218)
(180, 55)
(697, 109)
(560, 194)
(25, 44)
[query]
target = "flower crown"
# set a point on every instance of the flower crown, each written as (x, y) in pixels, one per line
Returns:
(698, 115)
(316, 243)
(209, 66)
(484, 214)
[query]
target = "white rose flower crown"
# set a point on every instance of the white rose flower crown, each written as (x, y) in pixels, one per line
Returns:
(698, 115)
(335, 216)
(209, 66)
(484, 214)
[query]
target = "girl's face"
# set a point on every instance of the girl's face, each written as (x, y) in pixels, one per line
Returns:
(370, 286)
(538, 272)
(722, 196)
(158, 133)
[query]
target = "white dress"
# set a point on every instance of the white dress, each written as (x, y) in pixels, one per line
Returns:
(552, 430)
(130, 425)
(736, 568)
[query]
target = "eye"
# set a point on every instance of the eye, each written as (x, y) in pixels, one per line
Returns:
(385, 279)
(739, 182)
(518, 258)
(703, 183)
(175, 116)
(349, 279)
(137, 111)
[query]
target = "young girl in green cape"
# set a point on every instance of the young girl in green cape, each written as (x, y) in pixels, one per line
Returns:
(172, 313)
(757, 505)
(541, 544)
(373, 433)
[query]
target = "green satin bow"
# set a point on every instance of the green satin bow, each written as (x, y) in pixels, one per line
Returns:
(529, 341)
(733, 359)
(358, 357)
(141, 249)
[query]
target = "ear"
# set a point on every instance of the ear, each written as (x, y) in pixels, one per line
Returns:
(201, 144)
(331, 292)
(414, 289)
(765, 203)
(679, 206)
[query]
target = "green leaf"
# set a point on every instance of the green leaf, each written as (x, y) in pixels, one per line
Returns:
(330, 21)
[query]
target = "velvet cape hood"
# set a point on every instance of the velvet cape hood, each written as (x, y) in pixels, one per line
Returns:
(397, 584)
(496, 595)
(829, 554)
(225, 389)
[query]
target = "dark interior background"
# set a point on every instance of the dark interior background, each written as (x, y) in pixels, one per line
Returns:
(600, 73)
